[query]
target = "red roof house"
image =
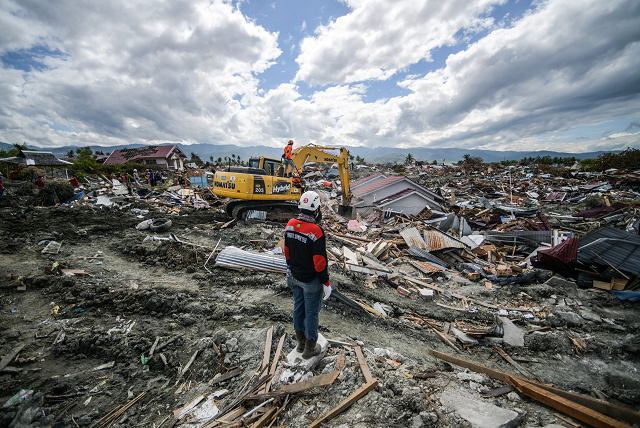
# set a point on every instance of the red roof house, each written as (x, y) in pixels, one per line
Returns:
(161, 157)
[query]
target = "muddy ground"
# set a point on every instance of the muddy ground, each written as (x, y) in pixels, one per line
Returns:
(139, 290)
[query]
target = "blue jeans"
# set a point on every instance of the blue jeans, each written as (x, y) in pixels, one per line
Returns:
(307, 302)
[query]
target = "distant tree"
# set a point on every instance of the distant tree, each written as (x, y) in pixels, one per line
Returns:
(70, 153)
(359, 160)
(472, 160)
(238, 158)
(350, 156)
(435, 162)
(84, 152)
(233, 157)
(409, 159)
(211, 159)
(219, 159)
(98, 152)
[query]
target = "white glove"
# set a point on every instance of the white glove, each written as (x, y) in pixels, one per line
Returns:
(327, 290)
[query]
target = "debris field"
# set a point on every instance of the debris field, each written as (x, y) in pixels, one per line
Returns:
(508, 307)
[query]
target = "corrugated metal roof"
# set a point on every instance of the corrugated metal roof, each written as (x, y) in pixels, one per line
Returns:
(412, 237)
(367, 188)
(423, 254)
(360, 182)
(616, 246)
(140, 153)
(437, 240)
(235, 258)
(433, 239)
(526, 236)
(566, 251)
(426, 267)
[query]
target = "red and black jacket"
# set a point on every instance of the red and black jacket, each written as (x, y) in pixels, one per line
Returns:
(305, 248)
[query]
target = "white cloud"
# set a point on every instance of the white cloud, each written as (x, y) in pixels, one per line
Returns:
(186, 72)
(170, 68)
(380, 37)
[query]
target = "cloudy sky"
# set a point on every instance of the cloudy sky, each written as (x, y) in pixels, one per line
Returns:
(558, 75)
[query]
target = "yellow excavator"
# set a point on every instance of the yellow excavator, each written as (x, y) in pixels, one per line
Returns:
(256, 191)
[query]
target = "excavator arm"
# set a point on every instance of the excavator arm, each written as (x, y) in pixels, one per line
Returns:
(311, 153)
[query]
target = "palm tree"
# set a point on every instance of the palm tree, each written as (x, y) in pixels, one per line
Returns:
(409, 159)
(70, 154)
(211, 159)
(219, 159)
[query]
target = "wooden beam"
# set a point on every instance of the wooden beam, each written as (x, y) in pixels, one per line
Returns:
(274, 365)
(267, 350)
(10, 356)
(265, 418)
(345, 404)
(227, 376)
(515, 364)
(316, 381)
(363, 364)
(320, 380)
(582, 413)
(599, 406)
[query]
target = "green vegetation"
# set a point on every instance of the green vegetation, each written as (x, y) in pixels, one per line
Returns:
(629, 158)
(548, 160)
(14, 151)
(87, 164)
(409, 159)
(471, 160)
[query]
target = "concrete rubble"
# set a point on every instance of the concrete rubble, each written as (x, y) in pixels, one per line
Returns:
(466, 312)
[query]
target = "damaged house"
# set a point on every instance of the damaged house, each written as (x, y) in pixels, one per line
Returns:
(394, 193)
(160, 157)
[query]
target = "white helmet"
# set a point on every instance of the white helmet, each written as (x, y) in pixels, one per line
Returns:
(309, 201)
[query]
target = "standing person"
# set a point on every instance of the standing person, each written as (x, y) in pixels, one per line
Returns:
(40, 181)
(74, 181)
(288, 150)
(136, 177)
(159, 177)
(152, 179)
(1, 184)
(181, 180)
(305, 249)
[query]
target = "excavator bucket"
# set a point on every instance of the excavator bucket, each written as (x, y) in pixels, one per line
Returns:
(346, 211)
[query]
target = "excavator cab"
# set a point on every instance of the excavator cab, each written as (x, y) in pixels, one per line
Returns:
(258, 191)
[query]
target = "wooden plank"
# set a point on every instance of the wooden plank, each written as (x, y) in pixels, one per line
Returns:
(363, 364)
(498, 391)
(320, 380)
(274, 365)
(10, 356)
(456, 295)
(599, 406)
(267, 350)
(434, 406)
(228, 375)
(265, 418)
(345, 404)
(515, 364)
(582, 413)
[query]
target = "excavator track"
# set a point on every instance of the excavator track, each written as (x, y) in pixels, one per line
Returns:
(276, 211)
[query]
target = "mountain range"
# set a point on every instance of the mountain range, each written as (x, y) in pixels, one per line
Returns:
(371, 155)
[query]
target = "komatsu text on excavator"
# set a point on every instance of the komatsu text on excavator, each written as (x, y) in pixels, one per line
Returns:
(256, 191)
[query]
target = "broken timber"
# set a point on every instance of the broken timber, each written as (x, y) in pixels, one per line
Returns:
(7, 359)
(316, 381)
(569, 407)
(596, 405)
(345, 404)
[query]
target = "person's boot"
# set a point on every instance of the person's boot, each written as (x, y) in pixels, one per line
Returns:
(311, 349)
(300, 338)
